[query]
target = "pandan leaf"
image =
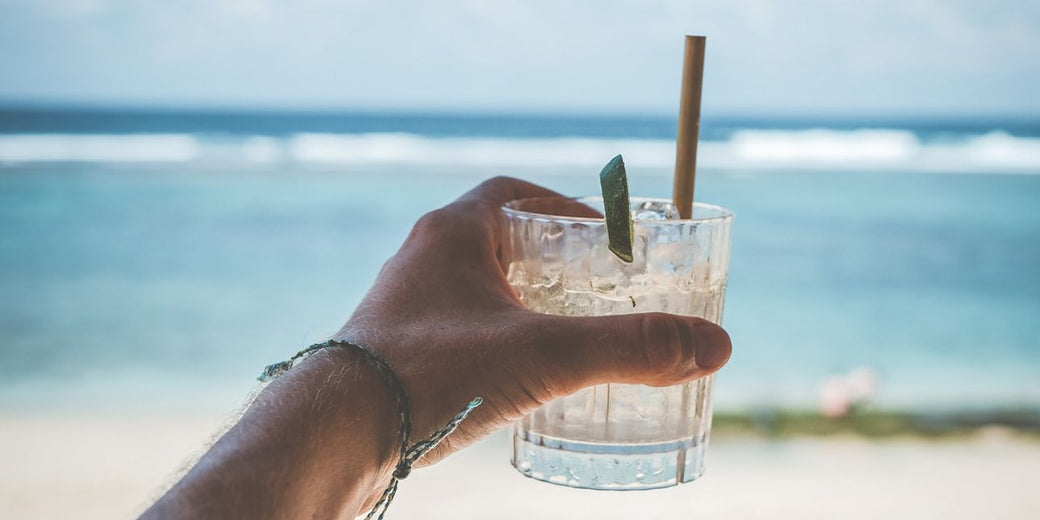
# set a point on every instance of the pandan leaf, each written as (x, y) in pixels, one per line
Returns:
(617, 208)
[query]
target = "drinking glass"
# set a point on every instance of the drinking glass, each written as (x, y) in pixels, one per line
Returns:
(618, 436)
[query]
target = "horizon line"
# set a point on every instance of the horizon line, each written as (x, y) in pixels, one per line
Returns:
(22, 105)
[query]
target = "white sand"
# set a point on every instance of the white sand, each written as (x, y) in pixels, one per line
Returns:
(110, 467)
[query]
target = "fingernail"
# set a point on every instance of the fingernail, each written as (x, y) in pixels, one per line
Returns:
(712, 345)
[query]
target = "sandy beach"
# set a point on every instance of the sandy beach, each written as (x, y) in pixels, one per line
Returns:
(111, 466)
(193, 191)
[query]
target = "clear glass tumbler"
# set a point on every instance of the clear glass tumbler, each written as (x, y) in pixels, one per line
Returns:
(619, 436)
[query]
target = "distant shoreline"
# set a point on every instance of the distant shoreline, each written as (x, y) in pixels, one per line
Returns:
(43, 105)
(61, 118)
(763, 424)
(234, 139)
(877, 424)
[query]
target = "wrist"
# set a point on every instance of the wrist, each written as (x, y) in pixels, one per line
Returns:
(352, 420)
(333, 425)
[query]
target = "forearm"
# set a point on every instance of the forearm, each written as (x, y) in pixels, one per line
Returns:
(322, 440)
(316, 443)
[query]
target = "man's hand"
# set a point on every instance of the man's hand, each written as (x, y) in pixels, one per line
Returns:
(319, 441)
(443, 315)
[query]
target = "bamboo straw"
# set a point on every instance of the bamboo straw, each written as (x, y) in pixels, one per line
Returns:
(689, 125)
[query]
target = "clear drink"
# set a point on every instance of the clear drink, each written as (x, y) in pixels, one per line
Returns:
(619, 436)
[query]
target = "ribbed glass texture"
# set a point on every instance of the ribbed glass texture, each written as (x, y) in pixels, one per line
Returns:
(618, 436)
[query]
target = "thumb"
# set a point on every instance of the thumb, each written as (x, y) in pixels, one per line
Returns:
(655, 349)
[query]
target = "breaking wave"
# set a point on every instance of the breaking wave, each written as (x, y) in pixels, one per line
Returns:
(814, 149)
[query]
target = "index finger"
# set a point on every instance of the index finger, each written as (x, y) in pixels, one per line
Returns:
(496, 192)
(500, 190)
(491, 195)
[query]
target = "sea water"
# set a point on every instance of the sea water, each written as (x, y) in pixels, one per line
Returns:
(169, 280)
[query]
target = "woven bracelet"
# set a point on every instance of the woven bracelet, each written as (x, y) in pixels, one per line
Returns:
(409, 455)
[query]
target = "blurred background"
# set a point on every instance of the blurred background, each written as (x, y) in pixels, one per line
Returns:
(192, 190)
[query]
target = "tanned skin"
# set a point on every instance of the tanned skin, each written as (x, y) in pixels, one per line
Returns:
(320, 441)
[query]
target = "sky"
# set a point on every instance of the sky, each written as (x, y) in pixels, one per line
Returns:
(883, 57)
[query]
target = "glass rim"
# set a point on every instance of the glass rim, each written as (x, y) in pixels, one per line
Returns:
(722, 215)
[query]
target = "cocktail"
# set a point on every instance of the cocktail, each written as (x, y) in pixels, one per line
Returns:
(646, 255)
(619, 436)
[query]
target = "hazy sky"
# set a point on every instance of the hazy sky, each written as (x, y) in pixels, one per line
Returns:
(823, 56)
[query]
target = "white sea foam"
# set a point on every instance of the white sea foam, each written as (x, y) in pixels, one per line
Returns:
(413, 149)
(999, 148)
(878, 149)
(819, 149)
(824, 146)
(750, 149)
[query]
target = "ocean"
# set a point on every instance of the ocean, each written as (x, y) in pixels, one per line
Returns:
(157, 260)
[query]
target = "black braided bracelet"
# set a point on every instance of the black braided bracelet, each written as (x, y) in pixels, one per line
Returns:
(409, 455)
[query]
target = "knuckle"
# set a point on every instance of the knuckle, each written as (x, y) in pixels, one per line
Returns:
(462, 222)
(438, 219)
(500, 181)
(471, 208)
(662, 344)
(497, 190)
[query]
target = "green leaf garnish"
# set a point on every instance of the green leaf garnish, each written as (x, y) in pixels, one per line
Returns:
(617, 208)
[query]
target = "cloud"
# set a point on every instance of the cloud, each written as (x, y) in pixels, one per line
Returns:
(797, 56)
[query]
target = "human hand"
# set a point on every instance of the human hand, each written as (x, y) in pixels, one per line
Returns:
(318, 442)
(442, 314)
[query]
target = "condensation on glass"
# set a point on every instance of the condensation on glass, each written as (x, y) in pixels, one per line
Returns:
(618, 436)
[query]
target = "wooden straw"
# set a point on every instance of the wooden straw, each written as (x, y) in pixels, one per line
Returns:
(689, 125)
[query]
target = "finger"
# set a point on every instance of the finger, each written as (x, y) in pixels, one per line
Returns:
(482, 208)
(656, 349)
(557, 206)
(474, 219)
(500, 190)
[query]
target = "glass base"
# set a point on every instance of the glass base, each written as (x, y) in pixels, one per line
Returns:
(619, 467)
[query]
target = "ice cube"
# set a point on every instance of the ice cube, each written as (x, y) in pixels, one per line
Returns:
(654, 210)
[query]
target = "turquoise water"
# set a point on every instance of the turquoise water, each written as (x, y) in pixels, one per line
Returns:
(160, 259)
(172, 285)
